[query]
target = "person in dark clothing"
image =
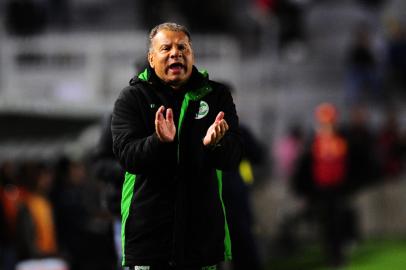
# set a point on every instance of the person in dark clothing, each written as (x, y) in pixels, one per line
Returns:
(237, 199)
(363, 78)
(106, 167)
(84, 227)
(396, 58)
(173, 216)
(108, 171)
(363, 166)
(390, 149)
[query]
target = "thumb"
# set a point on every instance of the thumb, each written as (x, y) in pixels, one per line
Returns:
(219, 117)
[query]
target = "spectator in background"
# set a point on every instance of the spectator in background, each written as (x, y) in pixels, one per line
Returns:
(390, 150)
(107, 169)
(12, 194)
(396, 57)
(3, 235)
(321, 179)
(237, 186)
(363, 168)
(84, 226)
(106, 166)
(237, 199)
(287, 150)
(36, 235)
(291, 23)
(363, 78)
(291, 31)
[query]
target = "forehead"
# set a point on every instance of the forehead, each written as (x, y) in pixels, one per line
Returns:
(167, 36)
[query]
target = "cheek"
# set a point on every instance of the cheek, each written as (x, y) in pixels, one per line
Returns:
(190, 60)
(161, 62)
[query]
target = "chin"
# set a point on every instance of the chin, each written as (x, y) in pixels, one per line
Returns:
(176, 83)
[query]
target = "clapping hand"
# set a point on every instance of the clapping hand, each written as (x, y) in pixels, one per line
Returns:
(216, 131)
(164, 126)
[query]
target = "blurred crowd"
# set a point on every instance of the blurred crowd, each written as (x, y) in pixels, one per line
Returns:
(328, 167)
(54, 209)
(246, 20)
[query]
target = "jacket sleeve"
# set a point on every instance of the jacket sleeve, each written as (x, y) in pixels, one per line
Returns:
(136, 148)
(226, 155)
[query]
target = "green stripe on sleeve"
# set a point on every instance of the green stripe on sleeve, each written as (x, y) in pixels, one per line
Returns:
(227, 239)
(126, 197)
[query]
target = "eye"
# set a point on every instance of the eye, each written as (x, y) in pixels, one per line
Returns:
(181, 47)
(165, 48)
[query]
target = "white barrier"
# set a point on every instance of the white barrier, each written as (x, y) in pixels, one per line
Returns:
(42, 264)
(83, 73)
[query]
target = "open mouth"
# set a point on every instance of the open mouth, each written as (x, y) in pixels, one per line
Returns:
(176, 67)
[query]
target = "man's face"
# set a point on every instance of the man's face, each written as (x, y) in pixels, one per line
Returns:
(171, 57)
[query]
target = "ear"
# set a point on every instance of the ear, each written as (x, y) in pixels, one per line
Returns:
(151, 59)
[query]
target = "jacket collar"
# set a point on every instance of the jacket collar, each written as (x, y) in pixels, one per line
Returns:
(197, 80)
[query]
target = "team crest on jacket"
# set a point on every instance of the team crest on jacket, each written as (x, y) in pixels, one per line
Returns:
(203, 110)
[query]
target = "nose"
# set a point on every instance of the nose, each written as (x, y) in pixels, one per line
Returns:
(175, 52)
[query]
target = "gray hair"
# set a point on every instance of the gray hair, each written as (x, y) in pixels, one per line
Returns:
(167, 26)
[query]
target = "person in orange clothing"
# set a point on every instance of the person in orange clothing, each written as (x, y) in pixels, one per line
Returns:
(322, 180)
(36, 236)
(329, 149)
(12, 194)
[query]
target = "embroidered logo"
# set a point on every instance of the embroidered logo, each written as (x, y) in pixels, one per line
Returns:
(203, 110)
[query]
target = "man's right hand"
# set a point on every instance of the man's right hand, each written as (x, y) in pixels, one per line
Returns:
(164, 126)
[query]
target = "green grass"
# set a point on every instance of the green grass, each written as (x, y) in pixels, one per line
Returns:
(370, 255)
(379, 255)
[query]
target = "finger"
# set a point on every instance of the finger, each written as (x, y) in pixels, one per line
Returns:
(226, 125)
(222, 129)
(219, 117)
(217, 129)
(159, 118)
(159, 113)
(213, 138)
(169, 115)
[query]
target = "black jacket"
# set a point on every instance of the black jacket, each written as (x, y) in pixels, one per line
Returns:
(172, 208)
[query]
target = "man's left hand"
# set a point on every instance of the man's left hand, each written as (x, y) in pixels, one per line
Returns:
(216, 131)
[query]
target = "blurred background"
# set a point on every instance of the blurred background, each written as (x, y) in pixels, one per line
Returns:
(320, 88)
